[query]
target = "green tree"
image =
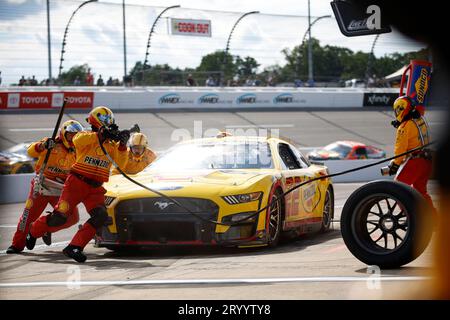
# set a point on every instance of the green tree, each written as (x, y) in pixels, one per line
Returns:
(153, 75)
(219, 62)
(247, 66)
(77, 71)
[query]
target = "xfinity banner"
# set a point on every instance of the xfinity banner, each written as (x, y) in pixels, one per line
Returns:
(187, 27)
(379, 99)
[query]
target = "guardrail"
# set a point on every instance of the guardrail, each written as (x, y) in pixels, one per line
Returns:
(15, 187)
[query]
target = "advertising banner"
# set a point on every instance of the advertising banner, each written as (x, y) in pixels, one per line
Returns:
(3, 100)
(188, 27)
(46, 100)
(379, 99)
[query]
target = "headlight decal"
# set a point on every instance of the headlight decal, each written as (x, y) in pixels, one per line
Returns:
(242, 198)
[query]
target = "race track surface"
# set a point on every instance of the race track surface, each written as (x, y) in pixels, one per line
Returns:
(313, 267)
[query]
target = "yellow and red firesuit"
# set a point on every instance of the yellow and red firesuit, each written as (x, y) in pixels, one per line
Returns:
(139, 155)
(84, 183)
(61, 158)
(412, 132)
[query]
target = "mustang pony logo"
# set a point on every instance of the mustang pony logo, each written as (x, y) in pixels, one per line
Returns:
(162, 205)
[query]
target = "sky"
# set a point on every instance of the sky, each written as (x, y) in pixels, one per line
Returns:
(95, 36)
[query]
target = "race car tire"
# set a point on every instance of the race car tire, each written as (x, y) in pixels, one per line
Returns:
(328, 210)
(393, 209)
(275, 219)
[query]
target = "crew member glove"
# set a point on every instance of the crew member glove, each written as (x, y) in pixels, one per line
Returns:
(106, 133)
(393, 168)
(49, 144)
(124, 136)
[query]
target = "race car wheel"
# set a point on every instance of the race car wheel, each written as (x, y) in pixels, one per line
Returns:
(275, 219)
(386, 223)
(328, 210)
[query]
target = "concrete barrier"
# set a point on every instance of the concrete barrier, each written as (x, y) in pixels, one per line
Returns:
(15, 187)
(121, 98)
(365, 175)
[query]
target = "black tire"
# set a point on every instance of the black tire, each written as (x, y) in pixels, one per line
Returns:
(328, 210)
(275, 219)
(404, 220)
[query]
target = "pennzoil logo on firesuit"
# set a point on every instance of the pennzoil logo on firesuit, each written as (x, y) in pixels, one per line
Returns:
(57, 170)
(96, 162)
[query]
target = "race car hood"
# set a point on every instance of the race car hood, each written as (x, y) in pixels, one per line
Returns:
(180, 183)
(8, 157)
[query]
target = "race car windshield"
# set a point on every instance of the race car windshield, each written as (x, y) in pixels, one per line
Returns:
(341, 149)
(224, 155)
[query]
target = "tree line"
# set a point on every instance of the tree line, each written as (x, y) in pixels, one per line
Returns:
(331, 64)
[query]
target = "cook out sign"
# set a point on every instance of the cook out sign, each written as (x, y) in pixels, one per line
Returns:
(189, 27)
(45, 100)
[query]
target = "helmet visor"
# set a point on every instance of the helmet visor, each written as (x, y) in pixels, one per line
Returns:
(105, 119)
(137, 150)
(74, 127)
(398, 111)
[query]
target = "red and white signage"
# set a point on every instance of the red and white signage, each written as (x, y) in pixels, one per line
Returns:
(3, 100)
(79, 100)
(30, 100)
(188, 27)
(46, 100)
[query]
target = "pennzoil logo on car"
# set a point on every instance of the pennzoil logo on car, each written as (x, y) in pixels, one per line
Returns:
(421, 85)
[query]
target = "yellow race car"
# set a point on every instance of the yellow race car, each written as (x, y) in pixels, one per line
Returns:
(224, 179)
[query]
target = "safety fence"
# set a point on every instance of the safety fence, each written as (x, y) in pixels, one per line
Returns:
(123, 98)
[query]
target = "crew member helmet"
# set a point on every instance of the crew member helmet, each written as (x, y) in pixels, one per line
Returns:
(138, 144)
(99, 117)
(68, 130)
(402, 106)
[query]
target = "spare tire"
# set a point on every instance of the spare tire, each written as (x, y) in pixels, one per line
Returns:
(386, 223)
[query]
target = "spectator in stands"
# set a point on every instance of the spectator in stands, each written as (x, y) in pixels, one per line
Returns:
(298, 83)
(249, 82)
(33, 81)
(77, 81)
(100, 81)
(89, 78)
(22, 81)
(190, 81)
(109, 82)
(210, 82)
(128, 81)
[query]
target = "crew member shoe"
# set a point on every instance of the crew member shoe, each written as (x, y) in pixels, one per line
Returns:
(30, 241)
(47, 238)
(74, 252)
(12, 250)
